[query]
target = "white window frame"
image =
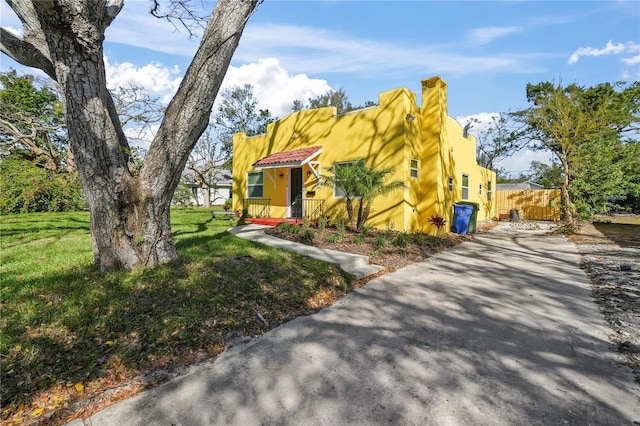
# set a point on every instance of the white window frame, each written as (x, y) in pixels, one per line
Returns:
(489, 191)
(465, 189)
(450, 183)
(480, 189)
(414, 170)
(254, 186)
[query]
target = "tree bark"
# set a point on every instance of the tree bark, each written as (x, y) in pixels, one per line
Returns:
(130, 215)
(206, 195)
(567, 212)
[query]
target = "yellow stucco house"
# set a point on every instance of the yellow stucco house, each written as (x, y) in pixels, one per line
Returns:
(276, 174)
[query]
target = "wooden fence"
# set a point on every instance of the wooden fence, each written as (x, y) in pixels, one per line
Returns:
(532, 204)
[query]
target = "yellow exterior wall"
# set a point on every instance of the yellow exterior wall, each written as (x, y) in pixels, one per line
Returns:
(388, 135)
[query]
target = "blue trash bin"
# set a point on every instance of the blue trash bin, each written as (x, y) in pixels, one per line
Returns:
(461, 218)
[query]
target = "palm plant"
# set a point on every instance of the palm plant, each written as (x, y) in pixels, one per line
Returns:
(373, 185)
(360, 185)
(345, 178)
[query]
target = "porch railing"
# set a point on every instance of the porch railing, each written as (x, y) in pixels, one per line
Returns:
(313, 208)
(256, 207)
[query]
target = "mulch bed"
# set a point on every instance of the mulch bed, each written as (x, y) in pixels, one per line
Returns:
(390, 256)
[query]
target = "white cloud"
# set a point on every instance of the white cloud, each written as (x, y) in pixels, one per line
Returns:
(273, 86)
(15, 31)
(486, 35)
(481, 122)
(158, 80)
(141, 136)
(609, 49)
(632, 60)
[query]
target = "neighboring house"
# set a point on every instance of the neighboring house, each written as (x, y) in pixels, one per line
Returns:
(219, 191)
(518, 186)
(276, 174)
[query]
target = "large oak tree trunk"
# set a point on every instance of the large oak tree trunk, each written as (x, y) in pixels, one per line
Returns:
(566, 208)
(130, 216)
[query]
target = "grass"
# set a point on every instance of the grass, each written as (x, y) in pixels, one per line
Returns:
(69, 332)
(627, 219)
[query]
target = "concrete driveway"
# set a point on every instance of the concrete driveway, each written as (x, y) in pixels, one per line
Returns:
(500, 330)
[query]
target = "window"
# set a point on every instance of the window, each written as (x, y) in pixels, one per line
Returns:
(480, 189)
(255, 185)
(489, 193)
(338, 191)
(450, 183)
(414, 168)
(465, 187)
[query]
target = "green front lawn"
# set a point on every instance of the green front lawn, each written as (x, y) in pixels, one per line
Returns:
(69, 332)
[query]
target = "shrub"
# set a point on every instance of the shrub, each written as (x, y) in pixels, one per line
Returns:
(438, 221)
(402, 239)
(27, 188)
(323, 221)
(308, 236)
(334, 238)
(380, 241)
(289, 228)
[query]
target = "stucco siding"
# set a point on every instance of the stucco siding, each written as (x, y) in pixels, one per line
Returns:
(388, 135)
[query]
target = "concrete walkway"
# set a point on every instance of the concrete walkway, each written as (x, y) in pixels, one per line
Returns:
(354, 264)
(500, 330)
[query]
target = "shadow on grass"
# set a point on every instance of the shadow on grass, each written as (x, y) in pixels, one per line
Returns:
(625, 235)
(79, 326)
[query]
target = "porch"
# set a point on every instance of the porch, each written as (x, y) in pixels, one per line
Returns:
(258, 211)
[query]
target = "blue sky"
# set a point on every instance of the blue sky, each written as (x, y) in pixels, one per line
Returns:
(487, 52)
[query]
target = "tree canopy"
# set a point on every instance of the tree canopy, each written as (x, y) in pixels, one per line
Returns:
(332, 98)
(32, 125)
(589, 131)
(238, 112)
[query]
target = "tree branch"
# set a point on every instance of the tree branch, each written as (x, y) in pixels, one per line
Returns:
(25, 53)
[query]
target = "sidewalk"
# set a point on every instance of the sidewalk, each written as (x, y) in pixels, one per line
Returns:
(500, 330)
(356, 265)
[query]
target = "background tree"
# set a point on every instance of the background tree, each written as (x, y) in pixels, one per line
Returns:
(210, 159)
(500, 140)
(137, 112)
(630, 164)
(549, 176)
(584, 128)
(130, 213)
(332, 98)
(32, 123)
(205, 164)
(238, 112)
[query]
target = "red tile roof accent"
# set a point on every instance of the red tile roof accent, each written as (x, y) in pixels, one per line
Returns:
(294, 156)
